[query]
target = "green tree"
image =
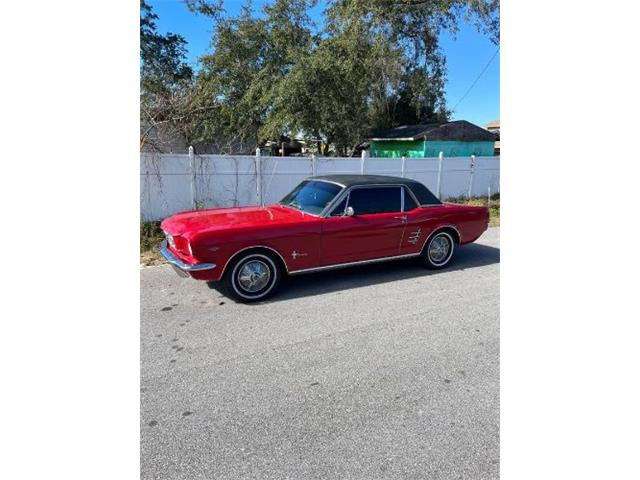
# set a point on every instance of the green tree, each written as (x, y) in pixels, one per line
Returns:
(374, 64)
(226, 90)
(164, 76)
(162, 57)
(241, 80)
(408, 66)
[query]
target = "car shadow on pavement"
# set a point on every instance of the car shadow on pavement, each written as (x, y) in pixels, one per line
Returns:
(295, 286)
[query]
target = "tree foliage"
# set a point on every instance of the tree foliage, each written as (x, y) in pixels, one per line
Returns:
(162, 57)
(165, 78)
(242, 79)
(373, 64)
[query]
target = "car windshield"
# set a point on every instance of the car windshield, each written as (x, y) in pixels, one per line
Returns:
(311, 196)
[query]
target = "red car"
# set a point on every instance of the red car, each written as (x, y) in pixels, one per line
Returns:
(325, 222)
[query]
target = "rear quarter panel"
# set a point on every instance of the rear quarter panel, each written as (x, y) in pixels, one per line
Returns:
(470, 222)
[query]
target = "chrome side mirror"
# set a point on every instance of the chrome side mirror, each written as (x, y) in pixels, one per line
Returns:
(348, 212)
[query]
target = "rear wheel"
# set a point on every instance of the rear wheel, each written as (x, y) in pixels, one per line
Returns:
(439, 249)
(252, 277)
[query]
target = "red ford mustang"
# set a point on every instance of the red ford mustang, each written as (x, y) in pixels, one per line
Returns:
(325, 222)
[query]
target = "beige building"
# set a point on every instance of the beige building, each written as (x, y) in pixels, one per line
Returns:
(494, 127)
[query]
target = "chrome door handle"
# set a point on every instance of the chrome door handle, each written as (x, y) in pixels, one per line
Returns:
(402, 217)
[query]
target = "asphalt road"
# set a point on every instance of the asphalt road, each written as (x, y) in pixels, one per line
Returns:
(381, 371)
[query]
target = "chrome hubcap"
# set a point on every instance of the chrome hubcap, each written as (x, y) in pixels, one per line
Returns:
(254, 276)
(439, 249)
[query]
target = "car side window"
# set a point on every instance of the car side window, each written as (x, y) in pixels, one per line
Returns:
(409, 202)
(375, 200)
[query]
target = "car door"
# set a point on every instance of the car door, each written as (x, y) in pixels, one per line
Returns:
(374, 231)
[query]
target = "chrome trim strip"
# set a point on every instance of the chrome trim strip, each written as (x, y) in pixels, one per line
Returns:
(187, 267)
(316, 179)
(351, 264)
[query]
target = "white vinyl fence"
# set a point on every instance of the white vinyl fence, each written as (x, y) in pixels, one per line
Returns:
(170, 183)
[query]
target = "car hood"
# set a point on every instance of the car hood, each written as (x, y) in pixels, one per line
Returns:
(211, 219)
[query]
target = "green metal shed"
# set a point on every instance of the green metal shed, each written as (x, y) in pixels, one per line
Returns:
(454, 139)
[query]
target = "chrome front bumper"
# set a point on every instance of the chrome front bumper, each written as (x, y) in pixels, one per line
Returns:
(179, 264)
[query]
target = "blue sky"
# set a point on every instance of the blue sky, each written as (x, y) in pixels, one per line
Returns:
(467, 55)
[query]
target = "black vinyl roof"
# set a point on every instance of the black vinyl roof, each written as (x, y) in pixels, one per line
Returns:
(422, 193)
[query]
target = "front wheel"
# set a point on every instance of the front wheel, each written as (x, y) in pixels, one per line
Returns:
(438, 251)
(252, 277)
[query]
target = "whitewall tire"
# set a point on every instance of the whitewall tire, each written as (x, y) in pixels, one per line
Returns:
(252, 277)
(438, 251)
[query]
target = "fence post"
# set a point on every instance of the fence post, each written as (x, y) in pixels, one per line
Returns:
(314, 167)
(439, 189)
(403, 166)
(363, 157)
(471, 171)
(192, 165)
(258, 176)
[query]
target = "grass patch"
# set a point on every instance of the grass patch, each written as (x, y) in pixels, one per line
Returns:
(150, 237)
(494, 206)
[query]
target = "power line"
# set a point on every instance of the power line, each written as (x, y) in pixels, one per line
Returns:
(477, 78)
